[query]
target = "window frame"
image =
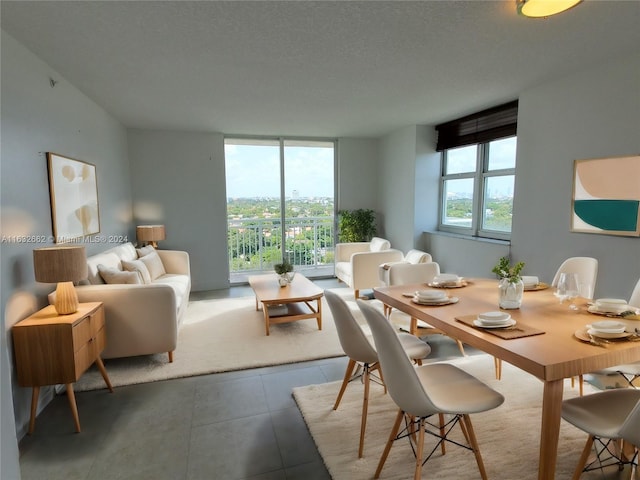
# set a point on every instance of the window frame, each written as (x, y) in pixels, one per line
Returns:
(479, 176)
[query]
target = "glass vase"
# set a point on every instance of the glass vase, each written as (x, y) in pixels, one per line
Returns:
(510, 293)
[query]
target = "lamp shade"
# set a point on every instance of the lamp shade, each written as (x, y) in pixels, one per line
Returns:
(150, 233)
(544, 8)
(60, 264)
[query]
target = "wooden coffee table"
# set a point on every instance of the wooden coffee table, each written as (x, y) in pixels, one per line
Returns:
(287, 304)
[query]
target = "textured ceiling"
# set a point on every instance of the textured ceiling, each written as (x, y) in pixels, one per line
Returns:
(344, 68)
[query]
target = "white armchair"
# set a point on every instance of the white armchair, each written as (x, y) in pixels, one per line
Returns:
(357, 262)
(412, 257)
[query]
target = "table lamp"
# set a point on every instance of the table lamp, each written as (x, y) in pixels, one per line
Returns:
(62, 265)
(150, 234)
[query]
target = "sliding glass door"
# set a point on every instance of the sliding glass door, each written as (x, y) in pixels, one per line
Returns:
(280, 205)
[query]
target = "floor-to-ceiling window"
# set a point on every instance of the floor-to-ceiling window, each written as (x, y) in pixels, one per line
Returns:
(280, 205)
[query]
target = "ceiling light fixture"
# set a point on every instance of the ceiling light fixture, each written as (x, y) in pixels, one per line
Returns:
(544, 8)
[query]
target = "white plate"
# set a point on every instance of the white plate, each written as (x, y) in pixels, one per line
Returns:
(594, 309)
(448, 301)
(461, 283)
(478, 323)
(599, 334)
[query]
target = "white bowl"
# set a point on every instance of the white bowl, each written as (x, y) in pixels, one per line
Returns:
(611, 305)
(530, 281)
(494, 318)
(619, 301)
(600, 334)
(608, 326)
(430, 294)
(446, 278)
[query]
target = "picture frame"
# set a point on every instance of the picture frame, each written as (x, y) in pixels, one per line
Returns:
(606, 196)
(73, 189)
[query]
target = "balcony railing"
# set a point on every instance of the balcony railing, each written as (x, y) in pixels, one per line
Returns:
(255, 245)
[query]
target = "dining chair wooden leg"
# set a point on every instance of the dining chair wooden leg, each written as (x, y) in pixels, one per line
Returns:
(443, 448)
(365, 408)
(581, 384)
(474, 444)
(419, 449)
(387, 447)
(497, 362)
(376, 366)
(347, 376)
(461, 347)
(463, 427)
(410, 423)
(356, 293)
(583, 458)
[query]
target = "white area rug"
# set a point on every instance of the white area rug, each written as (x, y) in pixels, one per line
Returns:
(508, 436)
(224, 335)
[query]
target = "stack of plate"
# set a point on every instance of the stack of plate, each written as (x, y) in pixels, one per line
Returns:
(608, 329)
(430, 297)
(611, 305)
(446, 280)
(494, 320)
(530, 281)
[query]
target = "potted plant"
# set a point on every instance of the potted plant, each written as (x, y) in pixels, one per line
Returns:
(510, 285)
(285, 272)
(356, 225)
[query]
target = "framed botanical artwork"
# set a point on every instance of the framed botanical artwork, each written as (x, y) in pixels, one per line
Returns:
(606, 196)
(73, 188)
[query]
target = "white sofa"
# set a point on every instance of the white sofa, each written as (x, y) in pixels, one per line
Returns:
(141, 318)
(357, 262)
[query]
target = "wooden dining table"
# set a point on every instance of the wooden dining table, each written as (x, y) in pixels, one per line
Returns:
(552, 355)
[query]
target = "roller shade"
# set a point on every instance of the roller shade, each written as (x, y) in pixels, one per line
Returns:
(491, 124)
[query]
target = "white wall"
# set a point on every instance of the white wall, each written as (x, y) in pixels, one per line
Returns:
(409, 173)
(178, 180)
(397, 187)
(357, 174)
(590, 114)
(37, 118)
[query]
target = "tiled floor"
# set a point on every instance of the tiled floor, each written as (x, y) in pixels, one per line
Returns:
(227, 426)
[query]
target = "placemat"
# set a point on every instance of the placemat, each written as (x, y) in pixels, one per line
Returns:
(517, 331)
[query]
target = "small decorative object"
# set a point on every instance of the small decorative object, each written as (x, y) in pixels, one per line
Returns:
(74, 198)
(285, 272)
(511, 286)
(62, 265)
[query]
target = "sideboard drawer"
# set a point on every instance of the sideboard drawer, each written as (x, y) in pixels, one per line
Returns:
(82, 333)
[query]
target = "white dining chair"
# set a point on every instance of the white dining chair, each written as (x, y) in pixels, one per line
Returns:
(634, 300)
(425, 391)
(419, 273)
(361, 352)
(587, 270)
(608, 417)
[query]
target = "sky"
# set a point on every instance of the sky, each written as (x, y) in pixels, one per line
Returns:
(254, 171)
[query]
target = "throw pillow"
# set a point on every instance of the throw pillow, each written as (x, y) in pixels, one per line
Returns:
(154, 265)
(145, 251)
(138, 266)
(113, 275)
